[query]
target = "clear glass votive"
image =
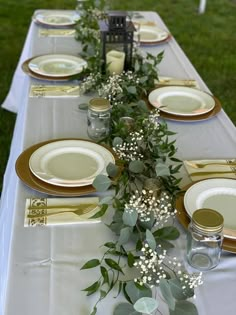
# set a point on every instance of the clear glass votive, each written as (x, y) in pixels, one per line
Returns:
(98, 118)
(204, 239)
(137, 34)
(80, 7)
(128, 122)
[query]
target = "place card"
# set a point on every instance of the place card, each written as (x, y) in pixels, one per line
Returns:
(54, 91)
(60, 211)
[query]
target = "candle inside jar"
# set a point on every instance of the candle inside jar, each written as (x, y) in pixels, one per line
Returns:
(115, 61)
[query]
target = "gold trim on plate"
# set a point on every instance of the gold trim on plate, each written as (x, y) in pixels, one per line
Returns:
(27, 177)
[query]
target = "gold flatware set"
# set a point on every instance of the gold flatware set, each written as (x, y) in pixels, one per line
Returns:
(77, 209)
(202, 165)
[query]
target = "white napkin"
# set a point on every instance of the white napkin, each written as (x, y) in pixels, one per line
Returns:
(219, 171)
(54, 91)
(45, 206)
(45, 32)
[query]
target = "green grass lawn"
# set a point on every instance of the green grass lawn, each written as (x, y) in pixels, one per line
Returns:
(208, 40)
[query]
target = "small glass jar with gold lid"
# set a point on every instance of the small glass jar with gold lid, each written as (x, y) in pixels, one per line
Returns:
(205, 238)
(99, 114)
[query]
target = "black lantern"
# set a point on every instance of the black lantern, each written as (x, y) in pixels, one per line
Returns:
(117, 36)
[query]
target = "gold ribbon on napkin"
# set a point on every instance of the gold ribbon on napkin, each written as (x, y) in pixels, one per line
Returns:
(54, 91)
(60, 211)
(168, 81)
(56, 32)
(216, 168)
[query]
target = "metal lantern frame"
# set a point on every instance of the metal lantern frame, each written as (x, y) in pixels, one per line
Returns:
(117, 31)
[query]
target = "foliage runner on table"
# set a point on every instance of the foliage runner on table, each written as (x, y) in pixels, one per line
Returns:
(144, 183)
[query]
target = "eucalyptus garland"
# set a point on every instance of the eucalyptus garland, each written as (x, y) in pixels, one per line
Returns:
(144, 184)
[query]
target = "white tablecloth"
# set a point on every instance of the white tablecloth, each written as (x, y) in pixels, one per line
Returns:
(40, 267)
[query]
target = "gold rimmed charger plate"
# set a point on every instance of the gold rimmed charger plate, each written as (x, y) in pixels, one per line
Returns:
(26, 69)
(42, 17)
(27, 177)
(143, 43)
(229, 244)
(208, 115)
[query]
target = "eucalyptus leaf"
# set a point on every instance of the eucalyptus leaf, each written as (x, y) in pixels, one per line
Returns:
(177, 291)
(125, 309)
(118, 216)
(136, 292)
(125, 234)
(116, 227)
(136, 166)
(91, 264)
(143, 79)
(117, 141)
(167, 293)
(130, 217)
(132, 89)
(148, 224)
(101, 183)
(143, 105)
(184, 308)
(146, 305)
(136, 66)
(150, 240)
(106, 200)
(112, 169)
(162, 170)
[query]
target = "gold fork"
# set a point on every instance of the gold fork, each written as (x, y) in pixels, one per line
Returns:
(202, 165)
(78, 210)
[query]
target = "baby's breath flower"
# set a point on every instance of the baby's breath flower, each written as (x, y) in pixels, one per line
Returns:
(149, 266)
(130, 151)
(148, 206)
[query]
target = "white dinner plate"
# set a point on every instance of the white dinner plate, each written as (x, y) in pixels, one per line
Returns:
(218, 194)
(152, 34)
(56, 18)
(70, 163)
(181, 100)
(57, 65)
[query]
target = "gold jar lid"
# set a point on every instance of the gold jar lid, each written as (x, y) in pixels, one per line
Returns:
(208, 220)
(99, 104)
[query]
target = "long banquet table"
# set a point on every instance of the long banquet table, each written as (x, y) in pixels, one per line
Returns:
(40, 267)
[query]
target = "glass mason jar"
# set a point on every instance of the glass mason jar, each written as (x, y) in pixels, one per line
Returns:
(98, 118)
(204, 239)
